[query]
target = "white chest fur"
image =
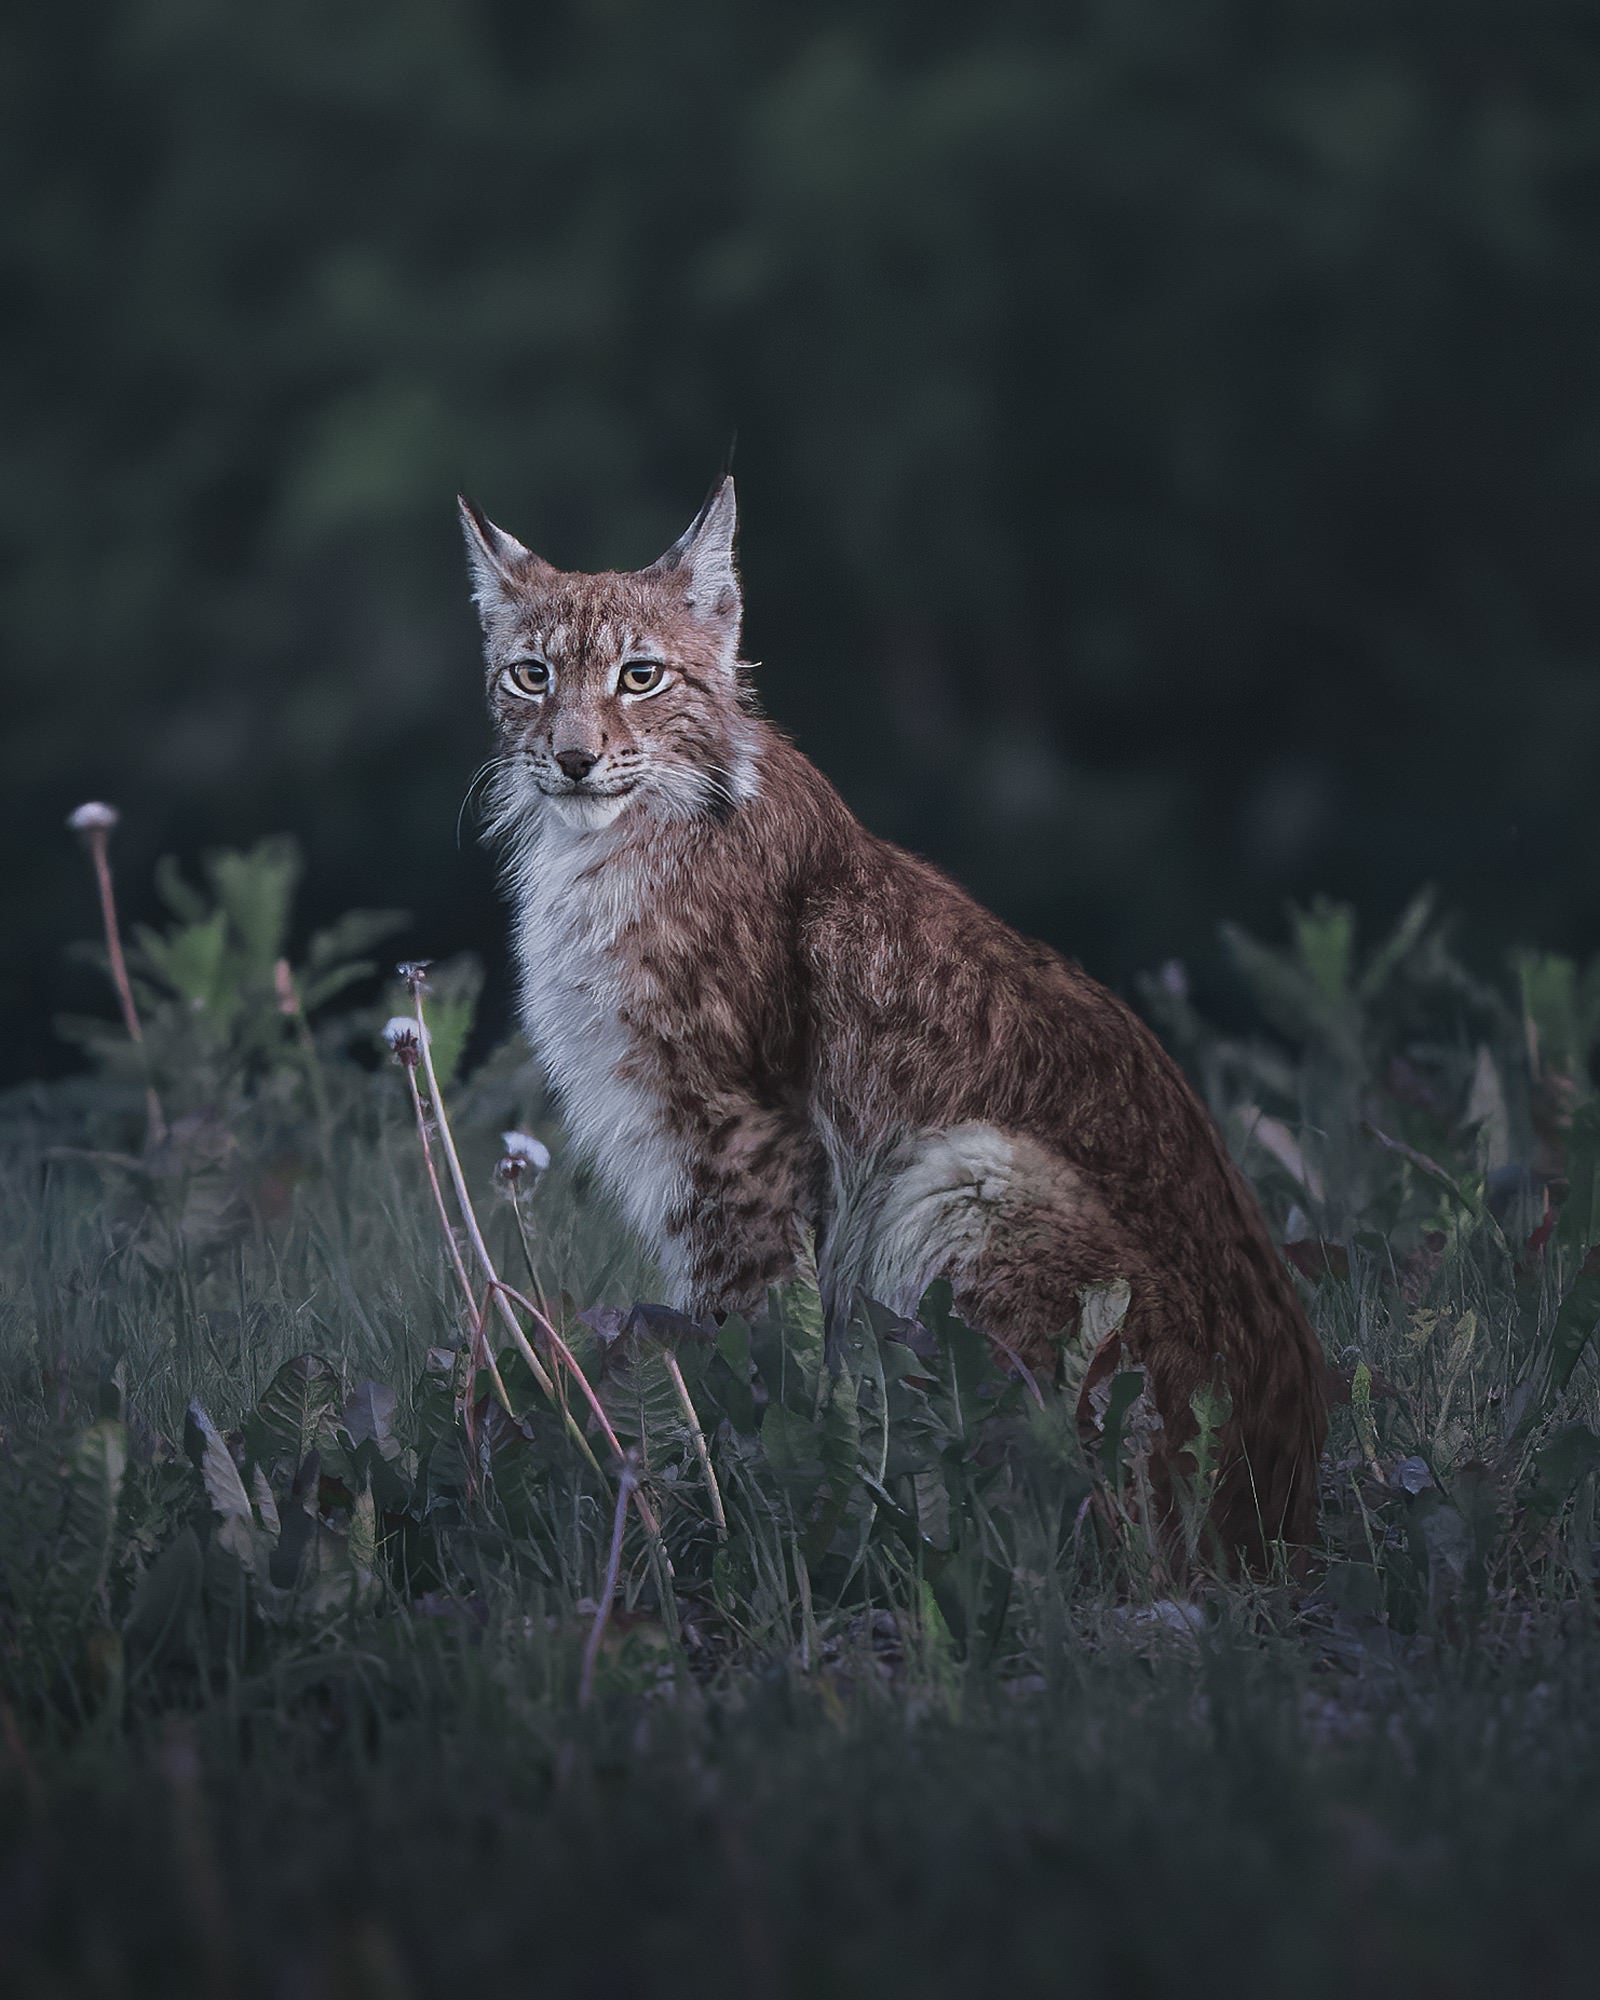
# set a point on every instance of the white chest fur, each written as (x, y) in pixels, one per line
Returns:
(573, 903)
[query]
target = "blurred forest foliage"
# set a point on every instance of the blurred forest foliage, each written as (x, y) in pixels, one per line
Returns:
(1169, 432)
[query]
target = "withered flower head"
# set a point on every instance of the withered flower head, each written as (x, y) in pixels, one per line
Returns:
(400, 1034)
(524, 1154)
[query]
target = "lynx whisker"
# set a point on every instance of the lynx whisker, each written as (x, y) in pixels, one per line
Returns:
(480, 778)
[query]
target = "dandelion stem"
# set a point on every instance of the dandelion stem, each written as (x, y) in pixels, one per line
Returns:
(527, 1252)
(565, 1354)
(702, 1450)
(97, 837)
(462, 1280)
(469, 1218)
(627, 1483)
(480, 1250)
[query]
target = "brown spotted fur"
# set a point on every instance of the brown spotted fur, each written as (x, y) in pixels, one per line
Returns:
(763, 1011)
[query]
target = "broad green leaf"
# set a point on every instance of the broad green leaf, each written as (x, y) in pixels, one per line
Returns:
(449, 1007)
(793, 1449)
(1576, 1322)
(727, 1377)
(96, 1466)
(336, 957)
(164, 1596)
(971, 1362)
(369, 1417)
(296, 1410)
(1286, 994)
(1398, 947)
(351, 936)
(186, 903)
(1325, 940)
(1125, 1390)
(786, 1343)
(264, 1501)
(638, 1394)
(1355, 1588)
(1578, 1225)
(236, 1531)
(338, 1573)
(255, 891)
(1560, 1468)
(1589, 1005)
(816, 1462)
(1550, 1001)
(438, 1434)
(362, 1546)
(1361, 1411)
(191, 960)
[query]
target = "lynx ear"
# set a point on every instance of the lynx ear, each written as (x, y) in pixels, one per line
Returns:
(499, 561)
(703, 557)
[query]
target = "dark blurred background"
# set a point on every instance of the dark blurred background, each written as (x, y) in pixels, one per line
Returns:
(1169, 434)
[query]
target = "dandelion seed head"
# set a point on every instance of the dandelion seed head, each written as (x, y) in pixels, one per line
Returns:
(94, 817)
(414, 971)
(400, 1034)
(524, 1154)
(525, 1147)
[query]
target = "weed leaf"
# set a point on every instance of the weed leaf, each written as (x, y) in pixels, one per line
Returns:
(1575, 1322)
(296, 1410)
(236, 1531)
(95, 1470)
(163, 1598)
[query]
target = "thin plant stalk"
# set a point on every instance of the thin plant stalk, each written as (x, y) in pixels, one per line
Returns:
(564, 1354)
(627, 1483)
(527, 1253)
(475, 1311)
(702, 1449)
(808, 1619)
(95, 824)
(469, 1217)
(480, 1249)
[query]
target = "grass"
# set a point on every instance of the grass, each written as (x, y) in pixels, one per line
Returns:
(293, 1616)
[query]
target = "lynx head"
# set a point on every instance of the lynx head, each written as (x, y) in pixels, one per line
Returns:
(621, 692)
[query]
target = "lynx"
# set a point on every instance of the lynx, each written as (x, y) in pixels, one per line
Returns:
(777, 1036)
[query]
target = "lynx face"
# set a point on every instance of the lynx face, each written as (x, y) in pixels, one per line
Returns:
(618, 691)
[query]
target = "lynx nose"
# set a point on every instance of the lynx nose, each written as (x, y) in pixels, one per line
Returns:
(576, 764)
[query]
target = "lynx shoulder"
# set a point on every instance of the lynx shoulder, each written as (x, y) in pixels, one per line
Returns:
(775, 1035)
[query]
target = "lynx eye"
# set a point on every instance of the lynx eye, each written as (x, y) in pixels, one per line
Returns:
(528, 677)
(642, 677)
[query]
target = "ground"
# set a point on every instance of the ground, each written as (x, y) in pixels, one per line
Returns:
(310, 1678)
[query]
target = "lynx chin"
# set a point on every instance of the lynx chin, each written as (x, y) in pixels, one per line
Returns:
(777, 1036)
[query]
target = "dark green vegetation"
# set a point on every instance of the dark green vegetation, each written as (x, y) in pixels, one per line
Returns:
(1169, 430)
(292, 1620)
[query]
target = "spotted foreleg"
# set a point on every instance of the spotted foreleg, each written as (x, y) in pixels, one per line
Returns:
(750, 1207)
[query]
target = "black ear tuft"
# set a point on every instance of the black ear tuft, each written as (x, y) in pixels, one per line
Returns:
(703, 555)
(474, 518)
(498, 560)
